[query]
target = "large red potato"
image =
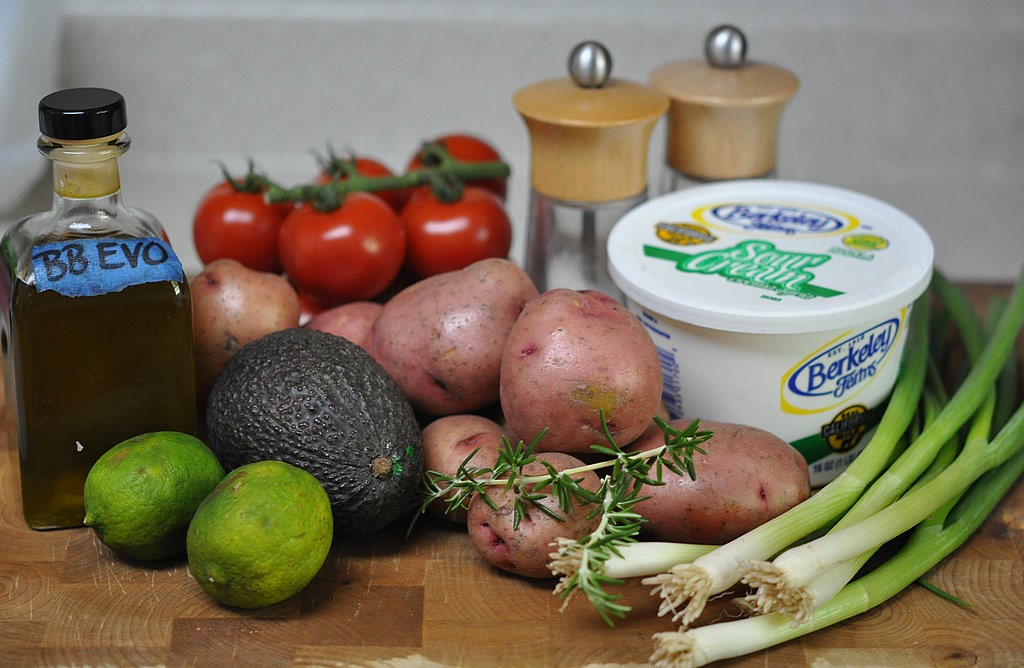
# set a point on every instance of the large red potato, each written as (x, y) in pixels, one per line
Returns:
(747, 477)
(441, 339)
(449, 440)
(233, 305)
(570, 355)
(526, 550)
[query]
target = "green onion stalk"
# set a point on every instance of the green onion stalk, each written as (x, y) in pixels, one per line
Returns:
(646, 557)
(776, 593)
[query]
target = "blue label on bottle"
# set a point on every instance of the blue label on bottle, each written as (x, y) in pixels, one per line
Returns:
(90, 267)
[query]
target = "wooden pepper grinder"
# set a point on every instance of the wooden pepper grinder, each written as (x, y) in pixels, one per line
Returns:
(589, 135)
(724, 115)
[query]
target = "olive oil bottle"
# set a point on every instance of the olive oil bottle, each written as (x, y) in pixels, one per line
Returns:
(96, 333)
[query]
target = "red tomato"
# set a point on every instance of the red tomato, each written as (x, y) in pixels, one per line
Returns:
(444, 237)
(348, 254)
(230, 223)
(366, 166)
(468, 148)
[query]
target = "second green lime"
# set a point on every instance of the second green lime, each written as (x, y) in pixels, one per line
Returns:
(261, 536)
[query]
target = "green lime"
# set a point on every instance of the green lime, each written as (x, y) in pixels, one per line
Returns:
(261, 535)
(141, 494)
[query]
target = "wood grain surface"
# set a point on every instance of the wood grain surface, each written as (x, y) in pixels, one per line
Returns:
(389, 601)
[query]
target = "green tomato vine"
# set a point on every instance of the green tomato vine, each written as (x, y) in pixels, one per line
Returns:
(443, 174)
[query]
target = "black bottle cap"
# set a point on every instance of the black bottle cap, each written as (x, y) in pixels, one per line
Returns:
(82, 113)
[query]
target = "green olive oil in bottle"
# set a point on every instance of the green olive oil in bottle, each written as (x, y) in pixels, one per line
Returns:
(96, 333)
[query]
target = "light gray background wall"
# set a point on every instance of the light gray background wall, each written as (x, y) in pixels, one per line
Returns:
(917, 102)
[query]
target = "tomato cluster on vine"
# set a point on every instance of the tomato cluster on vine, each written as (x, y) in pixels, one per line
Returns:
(358, 229)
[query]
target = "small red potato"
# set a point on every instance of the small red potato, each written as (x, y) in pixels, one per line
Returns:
(449, 440)
(747, 477)
(526, 550)
(233, 305)
(352, 321)
(441, 339)
(570, 355)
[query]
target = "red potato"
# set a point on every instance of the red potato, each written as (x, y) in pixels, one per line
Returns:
(570, 355)
(233, 305)
(352, 321)
(441, 339)
(526, 550)
(652, 430)
(449, 440)
(747, 477)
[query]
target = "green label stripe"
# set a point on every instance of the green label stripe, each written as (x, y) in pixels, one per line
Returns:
(812, 447)
(756, 263)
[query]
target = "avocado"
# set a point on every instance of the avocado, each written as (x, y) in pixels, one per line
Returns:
(320, 402)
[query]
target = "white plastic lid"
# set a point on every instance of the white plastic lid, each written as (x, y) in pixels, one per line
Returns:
(769, 257)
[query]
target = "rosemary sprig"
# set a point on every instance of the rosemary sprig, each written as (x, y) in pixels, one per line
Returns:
(579, 562)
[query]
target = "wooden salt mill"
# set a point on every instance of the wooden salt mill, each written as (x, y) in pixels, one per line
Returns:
(724, 115)
(589, 135)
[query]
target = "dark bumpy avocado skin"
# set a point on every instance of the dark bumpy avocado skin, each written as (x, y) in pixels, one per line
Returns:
(320, 402)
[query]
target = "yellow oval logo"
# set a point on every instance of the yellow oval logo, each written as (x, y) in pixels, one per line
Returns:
(865, 242)
(683, 234)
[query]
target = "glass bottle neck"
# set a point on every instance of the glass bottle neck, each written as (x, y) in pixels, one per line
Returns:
(86, 181)
(85, 169)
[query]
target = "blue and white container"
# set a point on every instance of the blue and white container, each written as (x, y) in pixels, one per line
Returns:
(778, 304)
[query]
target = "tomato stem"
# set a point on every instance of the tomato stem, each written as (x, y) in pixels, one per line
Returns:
(442, 173)
(252, 182)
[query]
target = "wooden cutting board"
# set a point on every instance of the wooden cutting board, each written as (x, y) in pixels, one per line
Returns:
(428, 600)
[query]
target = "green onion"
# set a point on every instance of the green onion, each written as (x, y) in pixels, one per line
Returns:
(647, 557)
(778, 593)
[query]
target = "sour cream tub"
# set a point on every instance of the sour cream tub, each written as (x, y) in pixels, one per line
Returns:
(782, 305)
